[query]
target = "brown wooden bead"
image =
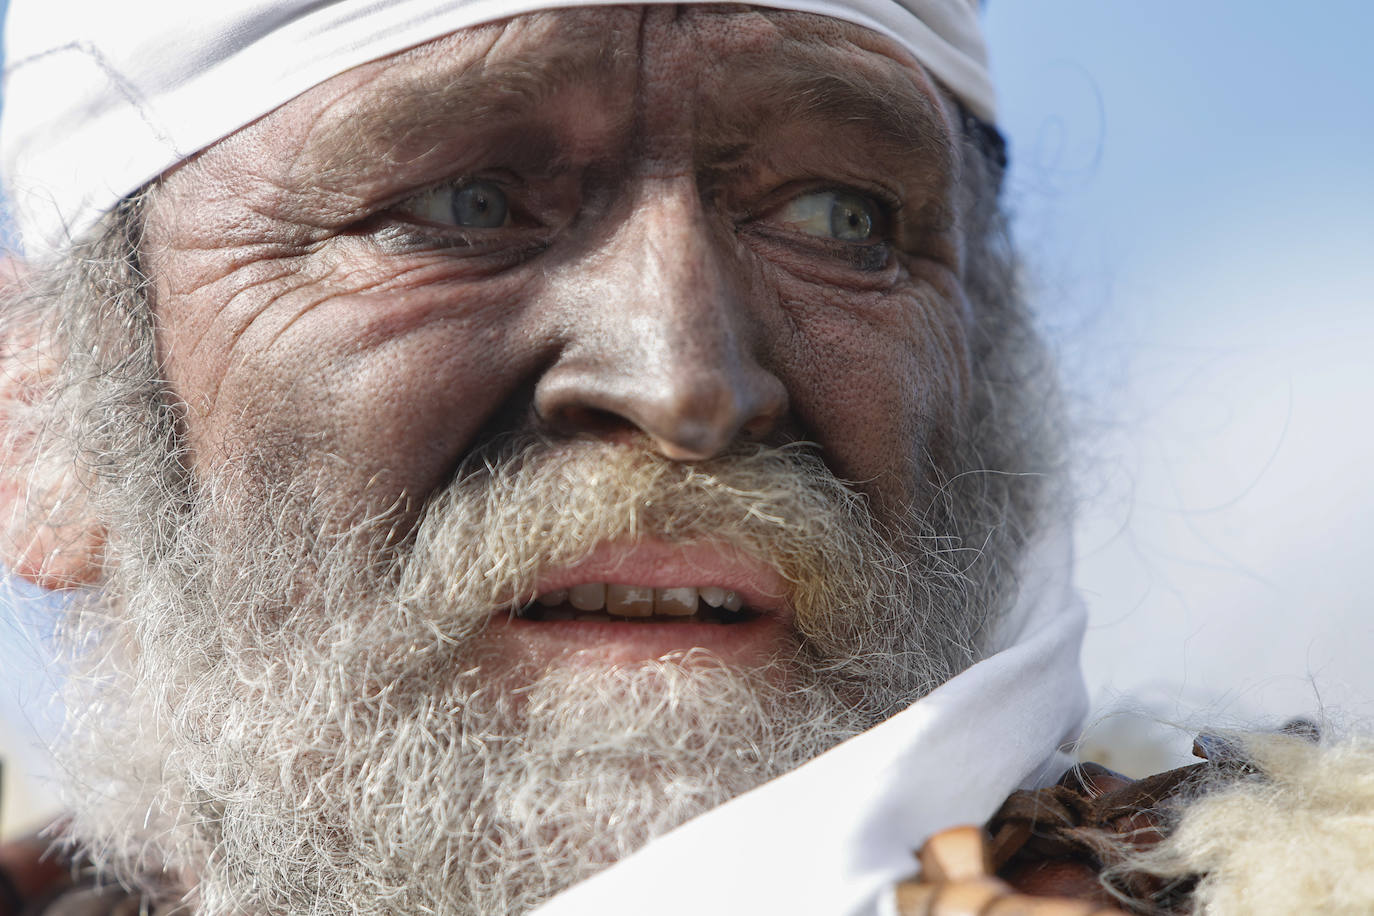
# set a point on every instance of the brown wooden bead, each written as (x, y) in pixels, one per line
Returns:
(916, 898)
(968, 898)
(1022, 905)
(956, 854)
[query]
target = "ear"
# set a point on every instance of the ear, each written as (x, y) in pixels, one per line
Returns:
(47, 534)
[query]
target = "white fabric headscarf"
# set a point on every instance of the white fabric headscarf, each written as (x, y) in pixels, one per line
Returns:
(101, 97)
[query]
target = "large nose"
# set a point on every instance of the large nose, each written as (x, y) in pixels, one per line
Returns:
(660, 338)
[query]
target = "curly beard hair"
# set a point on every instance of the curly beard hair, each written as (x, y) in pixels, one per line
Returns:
(275, 707)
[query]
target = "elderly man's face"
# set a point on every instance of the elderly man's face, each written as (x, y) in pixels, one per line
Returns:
(575, 410)
(677, 229)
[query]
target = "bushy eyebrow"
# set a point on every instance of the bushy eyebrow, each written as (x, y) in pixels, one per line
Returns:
(907, 122)
(800, 88)
(397, 120)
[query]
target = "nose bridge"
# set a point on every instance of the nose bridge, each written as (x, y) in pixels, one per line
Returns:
(666, 347)
(688, 301)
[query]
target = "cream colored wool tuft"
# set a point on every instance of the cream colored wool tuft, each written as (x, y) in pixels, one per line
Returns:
(1297, 839)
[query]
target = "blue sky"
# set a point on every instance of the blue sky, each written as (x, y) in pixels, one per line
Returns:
(1194, 189)
(1152, 137)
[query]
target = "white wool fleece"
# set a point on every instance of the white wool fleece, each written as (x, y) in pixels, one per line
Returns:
(1297, 837)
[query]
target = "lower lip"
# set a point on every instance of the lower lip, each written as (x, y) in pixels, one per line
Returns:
(750, 642)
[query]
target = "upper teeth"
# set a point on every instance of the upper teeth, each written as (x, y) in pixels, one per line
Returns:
(641, 600)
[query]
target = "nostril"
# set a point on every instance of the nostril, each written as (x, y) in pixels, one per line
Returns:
(689, 408)
(765, 410)
(759, 429)
(575, 419)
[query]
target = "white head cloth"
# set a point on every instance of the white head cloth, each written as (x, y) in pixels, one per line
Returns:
(101, 97)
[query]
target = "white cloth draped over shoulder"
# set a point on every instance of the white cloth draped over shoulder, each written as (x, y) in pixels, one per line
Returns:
(833, 836)
(102, 97)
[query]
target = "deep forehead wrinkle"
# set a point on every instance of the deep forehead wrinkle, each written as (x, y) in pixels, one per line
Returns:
(778, 67)
(805, 85)
(906, 120)
(456, 87)
(668, 99)
(473, 84)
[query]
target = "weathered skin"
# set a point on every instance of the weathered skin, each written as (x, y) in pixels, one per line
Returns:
(654, 280)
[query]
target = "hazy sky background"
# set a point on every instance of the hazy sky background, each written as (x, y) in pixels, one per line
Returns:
(1193, 190)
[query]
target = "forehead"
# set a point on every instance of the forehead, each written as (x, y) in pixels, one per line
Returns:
(723, 74)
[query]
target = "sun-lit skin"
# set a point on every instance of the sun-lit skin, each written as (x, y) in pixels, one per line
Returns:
(665, 275)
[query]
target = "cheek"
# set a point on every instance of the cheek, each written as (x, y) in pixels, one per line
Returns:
(371, 396)
(880, 380)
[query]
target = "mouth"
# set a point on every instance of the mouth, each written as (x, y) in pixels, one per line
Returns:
(602, 602)
(646, 599)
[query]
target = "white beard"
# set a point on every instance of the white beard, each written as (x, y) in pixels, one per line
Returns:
(473, 804)
(312, 722)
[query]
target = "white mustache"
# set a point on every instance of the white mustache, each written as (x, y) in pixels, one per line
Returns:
(529, 508)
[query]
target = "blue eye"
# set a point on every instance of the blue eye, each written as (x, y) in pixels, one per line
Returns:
(840, 215)
(480, 205)
(473, 204)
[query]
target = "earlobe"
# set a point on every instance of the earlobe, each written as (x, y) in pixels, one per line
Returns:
(38, 548)
(47, 535)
